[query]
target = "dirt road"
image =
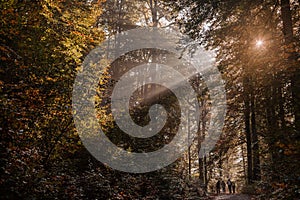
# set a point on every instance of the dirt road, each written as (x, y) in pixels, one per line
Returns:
(232, 197)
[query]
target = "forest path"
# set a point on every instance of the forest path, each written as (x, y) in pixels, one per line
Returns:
(233, 197)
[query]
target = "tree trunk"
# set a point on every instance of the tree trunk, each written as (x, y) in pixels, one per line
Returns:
(255, 142)
(286, 16)
(273, 129)
(280, 97)
(189, 147)
(153, 7)
(244, 163)
(248, 132)
(205, 173)
(201, 136)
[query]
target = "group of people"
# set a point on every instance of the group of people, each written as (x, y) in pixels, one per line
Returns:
(221, 185)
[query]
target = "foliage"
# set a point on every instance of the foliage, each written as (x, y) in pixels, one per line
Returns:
(42, 44)
(263, 100)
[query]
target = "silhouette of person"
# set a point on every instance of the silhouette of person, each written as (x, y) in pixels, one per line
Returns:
(233, 187)
(229, 185)
(223, 185)
(212, 188)
(218, 186)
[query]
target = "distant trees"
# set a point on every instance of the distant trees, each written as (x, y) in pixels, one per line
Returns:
(257, 45)
(42, 46)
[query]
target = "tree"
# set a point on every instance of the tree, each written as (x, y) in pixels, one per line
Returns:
(248, 39)
(42, 45)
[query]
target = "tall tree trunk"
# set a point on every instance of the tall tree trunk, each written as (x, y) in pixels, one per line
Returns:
(189, 147)
(273, 129)
(201, 136)
(244, 163)
(204, 121)
(286, 16)
(248, 131)
(220, 164)
(205, 173)
(120, 16)
(255, 142)
(200, 161)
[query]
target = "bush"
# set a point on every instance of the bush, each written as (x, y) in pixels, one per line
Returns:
(250, 189)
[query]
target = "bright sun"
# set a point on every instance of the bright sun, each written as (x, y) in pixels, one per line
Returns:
(259, 43)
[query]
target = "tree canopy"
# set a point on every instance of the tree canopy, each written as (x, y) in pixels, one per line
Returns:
(42, 48)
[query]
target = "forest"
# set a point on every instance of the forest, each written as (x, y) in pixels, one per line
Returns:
(179, 134)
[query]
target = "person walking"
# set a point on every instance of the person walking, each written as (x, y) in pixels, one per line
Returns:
(218, 186)
(233, 187)
(223, 185)
(229, 183)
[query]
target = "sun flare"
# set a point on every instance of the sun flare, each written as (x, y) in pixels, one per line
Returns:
(259, 43)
